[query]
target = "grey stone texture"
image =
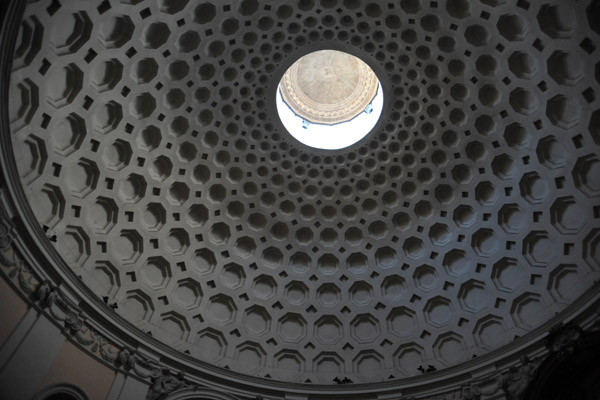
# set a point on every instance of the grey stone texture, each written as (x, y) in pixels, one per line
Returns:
(147, 141)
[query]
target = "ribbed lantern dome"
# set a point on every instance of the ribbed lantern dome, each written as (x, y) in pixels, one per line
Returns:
(328, 87)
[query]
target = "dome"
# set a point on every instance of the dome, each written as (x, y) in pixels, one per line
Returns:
(328, 87)
(144, 154)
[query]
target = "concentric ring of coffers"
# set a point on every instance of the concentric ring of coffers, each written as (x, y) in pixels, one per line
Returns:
(148, 145)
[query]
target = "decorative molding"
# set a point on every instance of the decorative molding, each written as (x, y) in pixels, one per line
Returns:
(489, 387)
(165, 384)
(512, 382)
(562, 339)
(516, 380)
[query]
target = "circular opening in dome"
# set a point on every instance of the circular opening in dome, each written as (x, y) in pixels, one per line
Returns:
(329, 99)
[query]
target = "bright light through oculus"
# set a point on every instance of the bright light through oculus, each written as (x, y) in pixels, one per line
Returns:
(330, 137)
(329, 100)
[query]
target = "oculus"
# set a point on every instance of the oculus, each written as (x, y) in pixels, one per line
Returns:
(329, 99)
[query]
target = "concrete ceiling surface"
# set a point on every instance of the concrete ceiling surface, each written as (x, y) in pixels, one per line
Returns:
(148, 142)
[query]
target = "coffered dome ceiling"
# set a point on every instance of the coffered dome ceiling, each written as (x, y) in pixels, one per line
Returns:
(147, 140)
